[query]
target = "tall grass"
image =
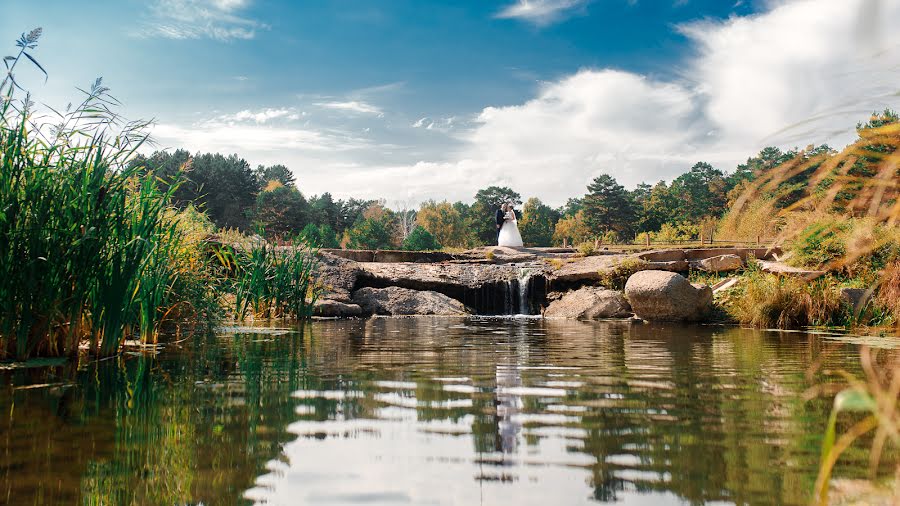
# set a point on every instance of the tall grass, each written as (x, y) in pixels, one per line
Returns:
(274, 282)
(845, 221)
(86, 244)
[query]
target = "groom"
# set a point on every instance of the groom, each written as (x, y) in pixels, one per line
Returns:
(500, 217)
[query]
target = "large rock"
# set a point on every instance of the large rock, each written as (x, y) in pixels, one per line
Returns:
(721, 263)
(667, 296)
(333, 309)
(336, 277)
(396, 301)
(589, 303)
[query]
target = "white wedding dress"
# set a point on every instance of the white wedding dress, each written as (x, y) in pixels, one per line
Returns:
(509, 233)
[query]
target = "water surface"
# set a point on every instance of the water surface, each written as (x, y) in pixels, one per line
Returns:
(428, 411)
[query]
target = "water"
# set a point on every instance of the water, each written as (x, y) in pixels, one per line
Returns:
(428, 411)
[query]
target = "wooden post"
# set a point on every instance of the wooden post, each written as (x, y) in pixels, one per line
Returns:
(648, 238)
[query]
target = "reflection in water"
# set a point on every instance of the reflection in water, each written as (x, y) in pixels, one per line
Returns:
(427, 411)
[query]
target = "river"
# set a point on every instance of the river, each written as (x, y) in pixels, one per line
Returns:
(429, 411)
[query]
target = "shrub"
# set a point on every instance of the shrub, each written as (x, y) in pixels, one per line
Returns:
(587, 249)
(616, 276)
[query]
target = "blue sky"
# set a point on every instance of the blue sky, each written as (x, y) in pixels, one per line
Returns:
(409, 100)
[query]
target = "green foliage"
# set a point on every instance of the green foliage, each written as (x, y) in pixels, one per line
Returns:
(278, 173)
(373, 232)
(85, 243)
(769, 301)
(820, 243)
(322, 236)
(586, 249)
(280, 210)
(616, 276)
(538, 223)
(479, 220)
(420, 240)
(607, 206)
(273, 282)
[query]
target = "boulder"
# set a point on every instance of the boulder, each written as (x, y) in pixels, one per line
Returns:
(856, 297)
(396, 301)
(667, 296)
(336, 276)
(589, 303)
(721, 263)
(328, 308)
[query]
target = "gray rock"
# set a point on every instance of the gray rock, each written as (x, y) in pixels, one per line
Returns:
(589, 303)
(396, 301)
(667, 296)
(336, 277)
(856, 297)
(721, 263)
(334, 309)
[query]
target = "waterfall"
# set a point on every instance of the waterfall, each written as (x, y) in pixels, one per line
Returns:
(524, 284)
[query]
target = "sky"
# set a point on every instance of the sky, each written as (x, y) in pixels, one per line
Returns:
(408, 100)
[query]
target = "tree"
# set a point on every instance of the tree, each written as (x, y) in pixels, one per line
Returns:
(657, 208)
(321, 236)
(481, 221)
(280, 210)
(538, 223)
(700, 192)
(571, 230)
(443, 221)
(572, 206)
(278, 173)
(608, 207)
(420, 240)
(374, 229)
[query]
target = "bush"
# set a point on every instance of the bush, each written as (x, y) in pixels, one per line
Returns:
(615, 278)
(587, 249)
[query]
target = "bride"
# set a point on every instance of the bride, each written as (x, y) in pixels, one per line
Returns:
(509, 233)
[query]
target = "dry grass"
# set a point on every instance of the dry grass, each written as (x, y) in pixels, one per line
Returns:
(769, 301)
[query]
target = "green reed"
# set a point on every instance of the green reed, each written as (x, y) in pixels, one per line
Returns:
(274, 281)
(84, 240)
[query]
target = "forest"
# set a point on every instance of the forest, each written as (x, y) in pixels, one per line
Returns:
(269, 200)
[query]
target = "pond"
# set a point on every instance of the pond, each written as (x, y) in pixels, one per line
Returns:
(428, 411)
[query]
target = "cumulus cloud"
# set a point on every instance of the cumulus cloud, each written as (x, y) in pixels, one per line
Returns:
(352, 107)
(803, 73)
(262, 115)
(540, 12)
(195, 19)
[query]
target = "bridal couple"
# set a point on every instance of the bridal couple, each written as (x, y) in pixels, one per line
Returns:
(507, 227)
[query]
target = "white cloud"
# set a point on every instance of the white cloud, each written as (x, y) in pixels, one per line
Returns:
(262, 115)
(540, 12)
(352, 107)
(803, 73)
(195, 19)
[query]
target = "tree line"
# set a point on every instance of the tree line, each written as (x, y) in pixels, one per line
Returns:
(267, 200)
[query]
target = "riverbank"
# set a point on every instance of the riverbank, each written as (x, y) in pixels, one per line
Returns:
(561, 283)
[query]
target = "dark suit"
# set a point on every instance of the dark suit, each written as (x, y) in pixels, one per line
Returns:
(499, 216)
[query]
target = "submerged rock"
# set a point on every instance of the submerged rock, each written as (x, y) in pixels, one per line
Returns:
(333, 309)
(396, 301)
(589, 303)
(667, 296)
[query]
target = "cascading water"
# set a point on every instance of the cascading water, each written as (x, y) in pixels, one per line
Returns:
(524, 284)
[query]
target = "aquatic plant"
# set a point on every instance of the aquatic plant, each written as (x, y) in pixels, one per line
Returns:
(87, 244)
(273, 282)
